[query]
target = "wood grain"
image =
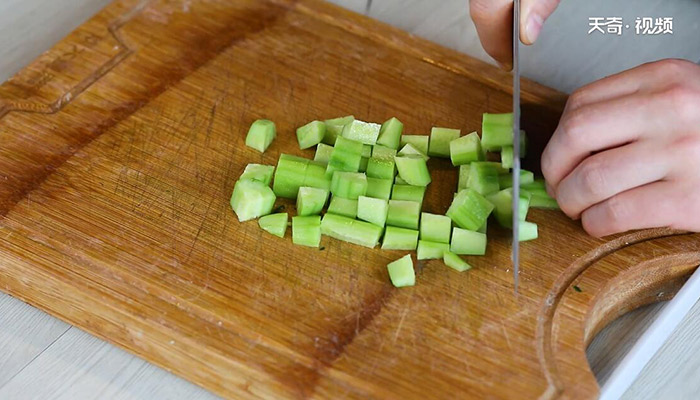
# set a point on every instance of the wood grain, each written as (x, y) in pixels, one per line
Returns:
(119, 149)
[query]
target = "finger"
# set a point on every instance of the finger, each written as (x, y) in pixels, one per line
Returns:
(597, 127)
(650, 206)
(626, 82)
(603, 175)
(533, 14)
(494, 24)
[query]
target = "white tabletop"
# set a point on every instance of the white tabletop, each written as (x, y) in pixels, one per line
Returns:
(44, 358)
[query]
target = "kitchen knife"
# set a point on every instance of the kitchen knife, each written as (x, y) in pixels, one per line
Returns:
(516, 144)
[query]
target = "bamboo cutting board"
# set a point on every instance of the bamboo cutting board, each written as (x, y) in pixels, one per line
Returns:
(119, 148)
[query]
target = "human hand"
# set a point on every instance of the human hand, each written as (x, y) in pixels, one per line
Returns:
(626, 153)
(494, 24)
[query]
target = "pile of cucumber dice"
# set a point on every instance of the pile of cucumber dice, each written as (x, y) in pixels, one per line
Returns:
(371, 179)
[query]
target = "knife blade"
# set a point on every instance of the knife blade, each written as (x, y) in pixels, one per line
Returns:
(516, 144)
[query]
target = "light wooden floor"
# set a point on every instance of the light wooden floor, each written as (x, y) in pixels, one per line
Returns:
(43, 358)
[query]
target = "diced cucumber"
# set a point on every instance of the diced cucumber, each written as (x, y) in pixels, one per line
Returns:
(310, 201)
(381, 167)
(435, 228)
(469, 210)
(342, 206)
(507, 156)
(410, 150)
(289, 176)
(496, 131)
(311, 134)
(408, 192)
(483, 178)
(400, 181)
(390, 133)
(503, 207)
(463, 182)
(468, 242)
(363, 164)
(350, 185)
(454, 261)
(419, 142)
(306, 231)
(401, 272)
(252, 199)
(543, 201)
(351, 230)
(404, 214)
(527, 231)
(275, 224)
(399, 239)
(380, 151)
(466, 149)
(346, 156)
(258, 172)
(440, 139)
(323, 153)
(413, 170)
(334, 128)
(506, 180)
(379, 188)
(366, 151)
(431, 250)
(483, 228)
(261, 133)
(363, 132)
(372, 210)
(315, 176)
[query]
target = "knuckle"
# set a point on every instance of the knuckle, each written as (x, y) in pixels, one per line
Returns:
(684, 100)
(572, 126)
(616, 213)
(593, 178)
(672, 68)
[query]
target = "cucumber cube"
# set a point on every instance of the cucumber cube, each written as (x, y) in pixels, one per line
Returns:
(404, 214)
(435, 228)
(323, 153)
(363, 165)
(334, 128)
(311, 201)
(252, 199)
(507, 156)
(542, 201)
(483, 178)
(346, 156)
(366, 151)
(468, 242)
(351, 230)
(408, 192)
(315, 176)
(258, 172)
(381, 168)
(453, 261)
(503, 206)
(410, 150)
(350, 185)
(363, 132)
(400, 181)
(380, 151)
(401, 272)
(466, 149)
(469, 210)
(419, 142)
(379, 188)
(527, 231)
(399, 239)
(390, 133)
(506, 180)
(261, 133)
(440, 139)
(342, 206)
(431, 250)
(275, 224)
(289, 176)
(413, 169)
(463, 182)
(306, 231)
(496, 131)
(311, 134)
(372, 210)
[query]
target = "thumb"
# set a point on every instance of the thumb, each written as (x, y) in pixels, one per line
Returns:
(533, 14)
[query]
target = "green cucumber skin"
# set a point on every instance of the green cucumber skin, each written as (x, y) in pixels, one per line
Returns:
(505, 181)
(346, 156)
(351, 230)
(390, 133)
(275, 224)
(349, 185)
(466, 149)
(306, 231)
(399, 239)
(261, 134)
(403, 214)
(408, 192)
(401, 272)
(483, 178)
(413, 170)
(430, 250)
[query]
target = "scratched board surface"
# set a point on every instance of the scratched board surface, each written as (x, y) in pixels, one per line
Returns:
(119, 149)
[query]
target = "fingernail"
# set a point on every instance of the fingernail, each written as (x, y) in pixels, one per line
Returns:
(533, 27)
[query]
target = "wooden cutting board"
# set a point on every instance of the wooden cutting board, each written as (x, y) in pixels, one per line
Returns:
(119, 149)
